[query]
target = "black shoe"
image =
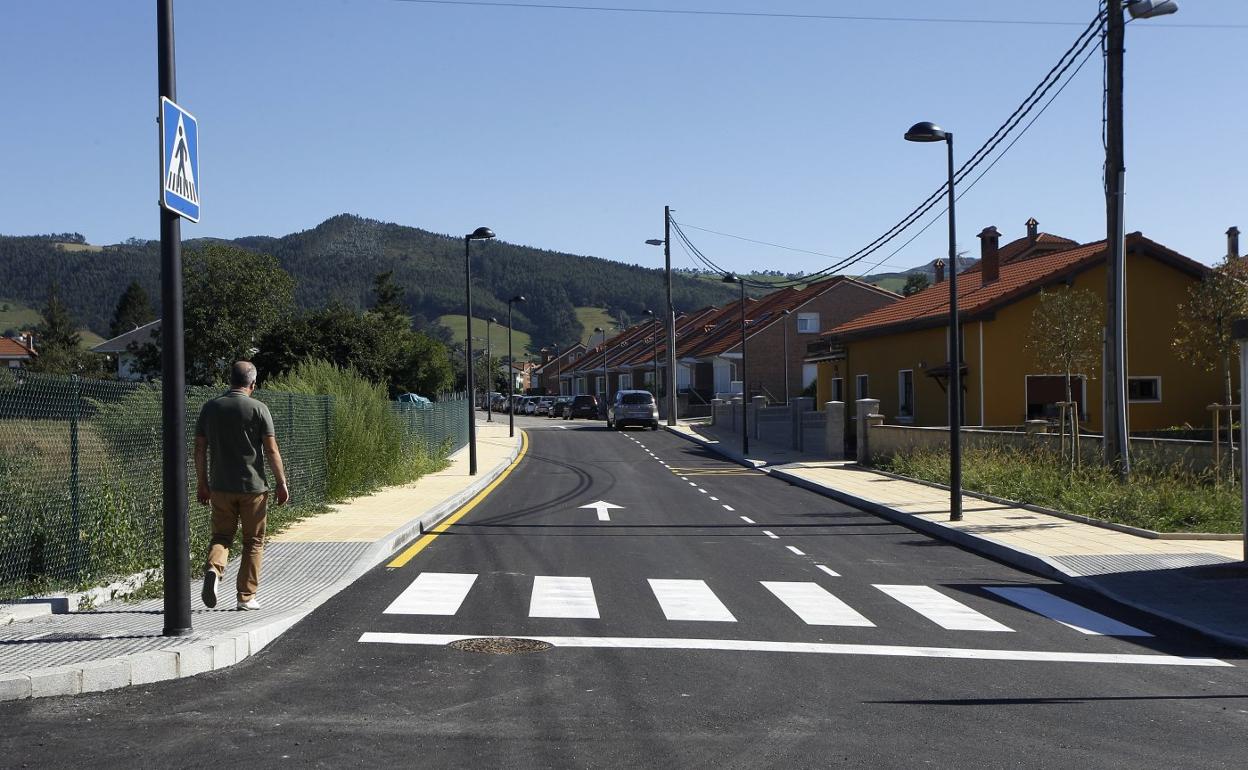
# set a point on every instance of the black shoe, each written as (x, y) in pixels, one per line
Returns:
(209, 594)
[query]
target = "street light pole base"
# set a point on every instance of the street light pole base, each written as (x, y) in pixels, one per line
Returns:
(176, 632)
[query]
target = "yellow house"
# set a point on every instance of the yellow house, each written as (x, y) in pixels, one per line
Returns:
(898, 354)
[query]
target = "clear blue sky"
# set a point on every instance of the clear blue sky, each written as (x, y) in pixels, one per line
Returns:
(570, 129)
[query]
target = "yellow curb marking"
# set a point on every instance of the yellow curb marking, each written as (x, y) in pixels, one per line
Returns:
(432, 535)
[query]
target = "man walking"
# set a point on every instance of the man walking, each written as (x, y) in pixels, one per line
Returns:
(233, 436)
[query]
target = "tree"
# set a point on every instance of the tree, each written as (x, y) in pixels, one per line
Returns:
(1203, 337)
(388, 300)
(231, 299)
(915, 283)
(1065, 336)
(133, 310)
(56, 338)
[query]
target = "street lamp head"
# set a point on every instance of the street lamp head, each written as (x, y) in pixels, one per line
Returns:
(599, 329)
(1147, 9)
(786, 312)
(655, 242)
(650, 313)
(926, 132)
(481, 234)
(517, 298)
(492, 320)
(731, 278)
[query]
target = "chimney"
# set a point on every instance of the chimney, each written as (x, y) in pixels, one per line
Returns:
(940, 271)
(1033, 230)
(1232, 243)
(990, 261)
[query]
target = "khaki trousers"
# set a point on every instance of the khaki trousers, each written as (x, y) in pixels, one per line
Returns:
(230, 511)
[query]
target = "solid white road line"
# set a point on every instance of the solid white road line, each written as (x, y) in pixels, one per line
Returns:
(689, 600)
(730, 508)
(562, 597)
(942, 610)
(746, 645)
(1067, 613)
(771, 535)
(433, 593)
(828, 570)
(746, 519)
(796, 550)
(815, 605)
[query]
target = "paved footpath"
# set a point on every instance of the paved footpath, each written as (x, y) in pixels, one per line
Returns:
(118, 644)
(1201, 584)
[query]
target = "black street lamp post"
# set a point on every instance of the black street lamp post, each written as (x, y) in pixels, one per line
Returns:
(654, 352)
(670, 379)
(606, 372)
(511, 371)
(489, 369)
(480, 234)
(930, 132)
(745, 433)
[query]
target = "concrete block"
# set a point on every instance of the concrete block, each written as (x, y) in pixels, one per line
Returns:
(224, 652)
(14, 687)
(757, 404)
(154, 666)
(61, 680)
(242, 647)
(865, 408)
(194, 659)
(834, 430)
(109, 674)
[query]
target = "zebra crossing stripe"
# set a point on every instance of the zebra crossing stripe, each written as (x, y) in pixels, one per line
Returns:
(433, 593)
(689, 600)
(942, 610)
(815, 605)
(1082, 619)
(562, 597)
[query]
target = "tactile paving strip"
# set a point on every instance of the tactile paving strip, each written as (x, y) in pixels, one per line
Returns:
(1106, 564)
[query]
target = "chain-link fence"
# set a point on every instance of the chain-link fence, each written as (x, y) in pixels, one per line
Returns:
(441, 426)
(80, 475)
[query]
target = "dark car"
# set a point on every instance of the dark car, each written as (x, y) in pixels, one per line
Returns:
(560, 403)
(581, 406)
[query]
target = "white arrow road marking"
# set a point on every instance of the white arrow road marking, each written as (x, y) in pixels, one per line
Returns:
(602, 506)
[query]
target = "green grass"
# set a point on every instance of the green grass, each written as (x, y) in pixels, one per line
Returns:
(15, 315)
(1160, 499)
(591, 317)
(520, 341)
(892, 284)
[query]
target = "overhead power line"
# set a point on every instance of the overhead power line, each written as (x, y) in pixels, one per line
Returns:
(781, 15)
(1085, 40)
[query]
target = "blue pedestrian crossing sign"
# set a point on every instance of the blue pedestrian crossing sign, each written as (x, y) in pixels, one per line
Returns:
(179, 153)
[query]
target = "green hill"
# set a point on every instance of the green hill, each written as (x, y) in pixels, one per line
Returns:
(16, 317)
(520, 341)
(337, 260)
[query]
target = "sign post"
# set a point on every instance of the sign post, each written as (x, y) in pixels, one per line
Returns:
(179, 197)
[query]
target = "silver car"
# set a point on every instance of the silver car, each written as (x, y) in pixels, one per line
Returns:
(633, 407)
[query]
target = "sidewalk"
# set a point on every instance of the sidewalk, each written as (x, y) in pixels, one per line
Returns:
(118, 644)
(1200, 584)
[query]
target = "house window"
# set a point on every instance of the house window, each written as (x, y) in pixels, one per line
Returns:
(810, 373)
(905, 394)
(861, 382)
(626, 382)
(600, 384)
(1144, 389)
(838, 388)
(807, 323)
(1045, 391)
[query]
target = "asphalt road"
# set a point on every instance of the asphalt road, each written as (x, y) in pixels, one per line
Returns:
(717, 618)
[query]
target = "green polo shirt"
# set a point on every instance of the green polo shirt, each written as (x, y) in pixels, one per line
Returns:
(235, 425)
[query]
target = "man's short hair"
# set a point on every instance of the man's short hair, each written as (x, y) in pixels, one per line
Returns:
(242, 374)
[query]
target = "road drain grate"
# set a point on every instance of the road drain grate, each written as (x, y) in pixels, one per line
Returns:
(501, 645)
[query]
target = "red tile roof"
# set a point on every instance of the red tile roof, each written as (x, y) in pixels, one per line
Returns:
(11, 348)
(1019, 278)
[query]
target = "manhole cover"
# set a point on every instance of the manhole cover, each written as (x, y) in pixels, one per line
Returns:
(501, 645)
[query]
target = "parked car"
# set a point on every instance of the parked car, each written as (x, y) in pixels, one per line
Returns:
(544, 405)
(581, 406)
(633, 407)
(498, 402)
(530, 404)
(561, 402)
(412, 398)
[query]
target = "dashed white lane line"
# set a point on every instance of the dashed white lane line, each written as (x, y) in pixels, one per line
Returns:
(729, 507)
(684, 478)
(828, 570)
(796, 550)
(716, 499)
(703, 491)
(771, 535)
(692, 484)
(823, 648)
(746, 519)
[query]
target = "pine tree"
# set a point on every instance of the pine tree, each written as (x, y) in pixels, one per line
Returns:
(133, 310)
(388, 300)
(56, 340)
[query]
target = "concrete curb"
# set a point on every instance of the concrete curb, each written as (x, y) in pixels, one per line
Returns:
(1030, 562)
(225, 650)
(31, 607)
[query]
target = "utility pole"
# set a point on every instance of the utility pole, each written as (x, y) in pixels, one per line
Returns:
(177, 536)
(1114, 417)
(671, 317)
